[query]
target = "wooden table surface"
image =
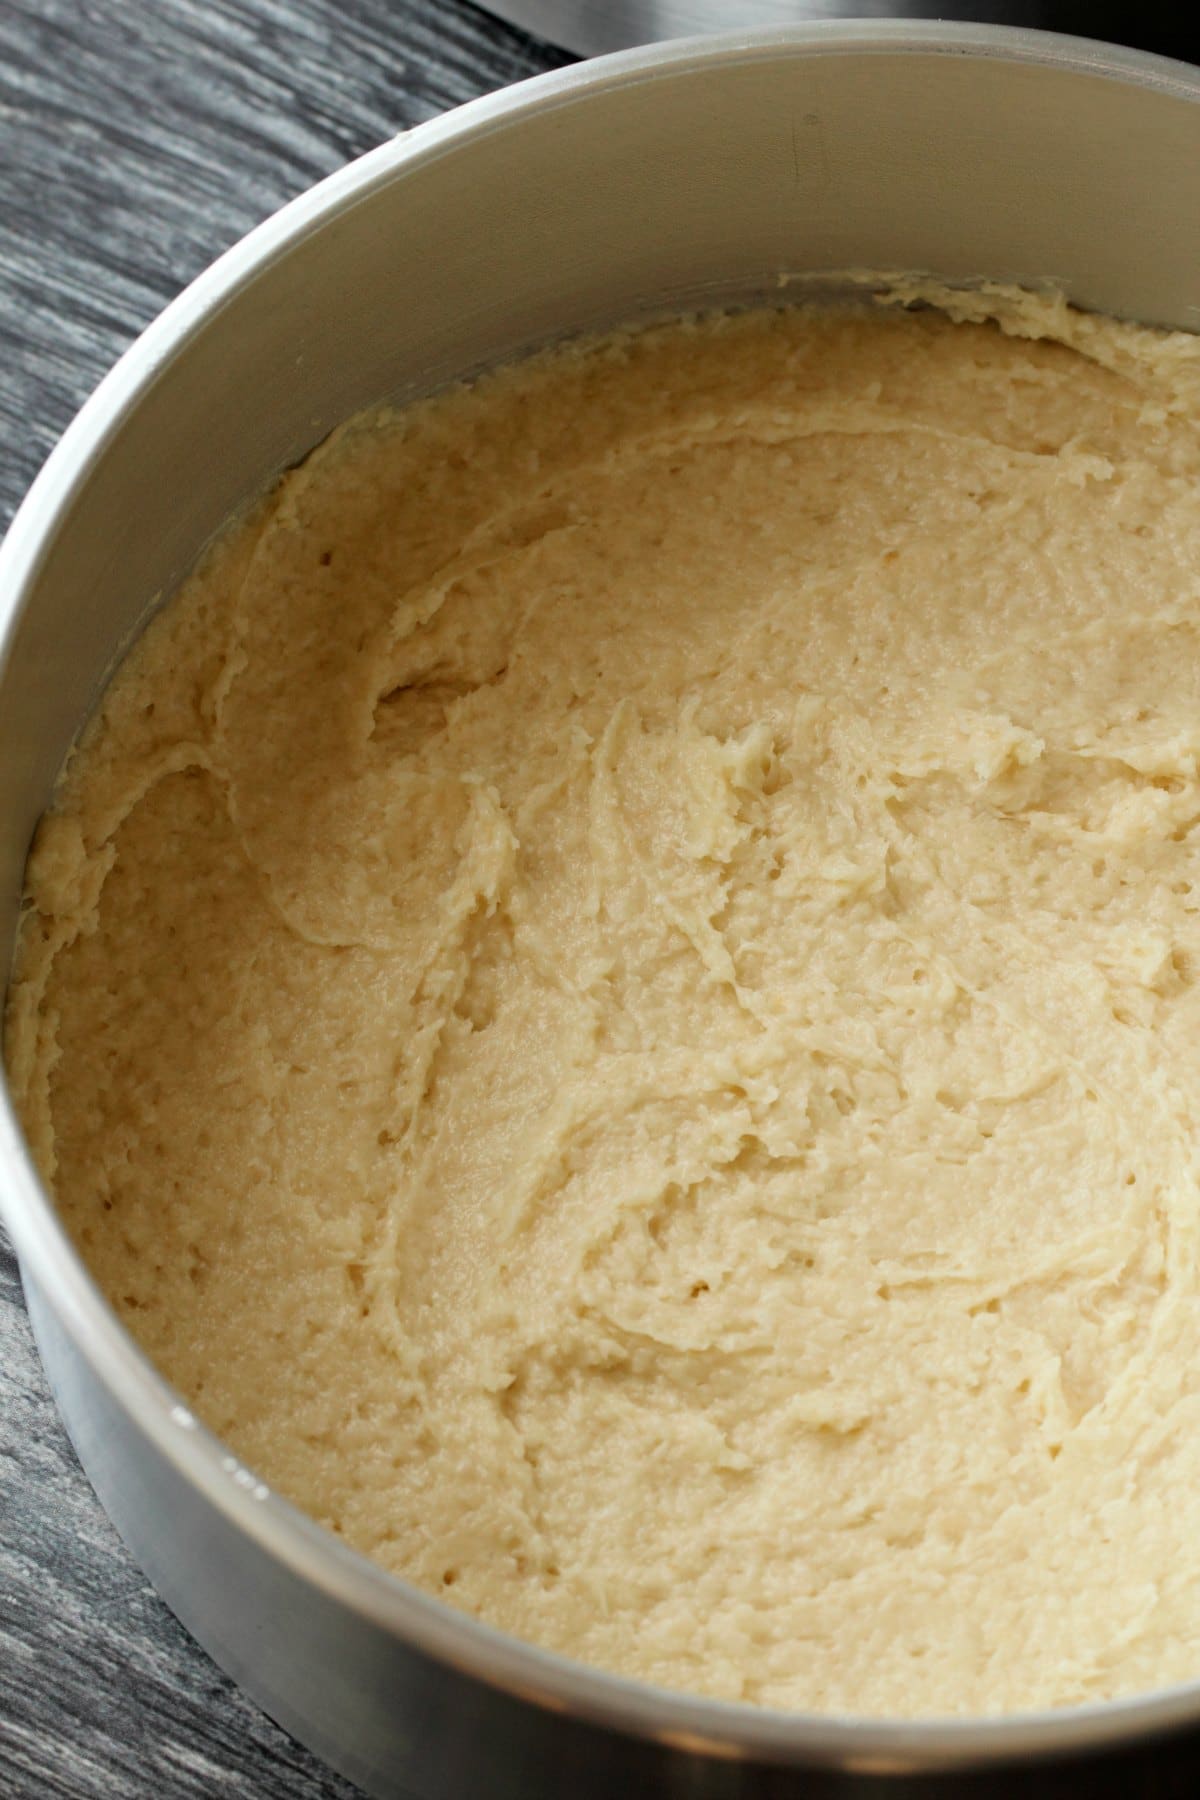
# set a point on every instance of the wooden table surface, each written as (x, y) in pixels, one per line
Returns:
(137, 139)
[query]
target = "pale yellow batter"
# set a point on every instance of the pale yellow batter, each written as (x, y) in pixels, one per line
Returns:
(613, 995)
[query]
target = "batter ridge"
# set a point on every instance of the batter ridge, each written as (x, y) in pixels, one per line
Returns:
(612, 995)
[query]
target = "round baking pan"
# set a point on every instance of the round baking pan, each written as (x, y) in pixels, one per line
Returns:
(681, 175)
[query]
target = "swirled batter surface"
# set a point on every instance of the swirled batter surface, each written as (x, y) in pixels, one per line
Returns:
(613, 995)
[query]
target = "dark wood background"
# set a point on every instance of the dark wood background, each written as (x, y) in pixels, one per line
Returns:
(137, 139)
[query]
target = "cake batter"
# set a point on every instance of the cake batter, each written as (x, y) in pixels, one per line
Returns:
(612, 995)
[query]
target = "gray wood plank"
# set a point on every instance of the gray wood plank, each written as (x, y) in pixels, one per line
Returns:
(138, 138)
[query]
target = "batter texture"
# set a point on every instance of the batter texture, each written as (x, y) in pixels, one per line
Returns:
(612, 994)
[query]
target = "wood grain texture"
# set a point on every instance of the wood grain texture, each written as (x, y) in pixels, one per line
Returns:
(139, 138)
